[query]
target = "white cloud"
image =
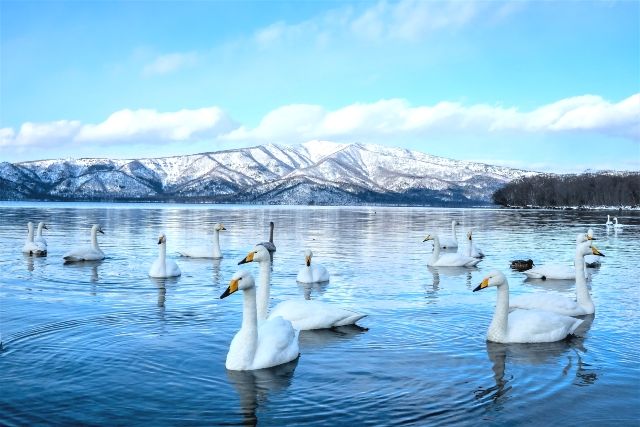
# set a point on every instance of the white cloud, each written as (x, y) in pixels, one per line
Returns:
(169, 63)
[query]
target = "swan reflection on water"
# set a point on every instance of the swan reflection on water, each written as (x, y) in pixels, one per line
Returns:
(535, 354)
(465, 272)
(319, 338)
(308, 289)
(254, 387)
(92, 266)
(161, 284)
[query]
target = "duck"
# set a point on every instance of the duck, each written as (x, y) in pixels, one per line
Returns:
(522, 264)
(592, 261)
(87, 253)
(448, 260)
(203, 251)
(609, 222)
(582, 305)
(557, 271)
(30, 246)
(163, 267)
(39, 237)
(523, 326)
(303, 314)
(256, 345)
(315, 273)
(473, 251)
(447, 242)
(616, 224)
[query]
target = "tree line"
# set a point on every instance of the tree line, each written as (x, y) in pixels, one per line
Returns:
(588, 190)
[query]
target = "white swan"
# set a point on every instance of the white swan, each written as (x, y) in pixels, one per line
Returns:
(559, 303)
(87, 253)
(473, 251)
(557, 271)
(30, 246)
(448, 260)
(205, 252)
(592, 261)
(163, 267)
(447, 242)
(273, 343)
(312, 273)
(523, 326)
(303, 314)
(616, 224)
(39, 237)
(608, 221)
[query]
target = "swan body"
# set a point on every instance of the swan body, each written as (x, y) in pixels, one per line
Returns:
(448, 260)
(609, 222)
(32, 247)
(39, 237)
(163, 267)
(523, 326)
(312, 273)
(559, 303)
(254, 346)
(303, 314)
(447, 242)
(87, 253)
(559, 271)
(473, 251)
(203, 251)
(616, 224)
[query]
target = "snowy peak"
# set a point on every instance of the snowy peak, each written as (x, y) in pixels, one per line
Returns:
(314, 172)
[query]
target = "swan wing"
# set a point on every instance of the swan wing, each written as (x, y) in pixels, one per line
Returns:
(549, 302)
(199, 252)
(312, 314)
(552, 271)
(87, 253)
(529, 326)
(277, 343)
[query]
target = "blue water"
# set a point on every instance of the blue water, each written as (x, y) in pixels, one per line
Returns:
(102, 343)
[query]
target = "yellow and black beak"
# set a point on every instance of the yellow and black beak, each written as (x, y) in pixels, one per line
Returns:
(591, 237)
(427, 238)
(308, 260)
(45, 226)
(482, 285)
(233, 287)
(160, 240)
(595, 251)
(100, 231)
(222, 227)
(248, 258)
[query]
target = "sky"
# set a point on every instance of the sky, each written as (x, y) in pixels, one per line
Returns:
(539, 85)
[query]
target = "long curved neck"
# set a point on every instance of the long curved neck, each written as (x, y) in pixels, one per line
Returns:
(216, 243)
(498, 327)
(453, 230)
(94, 239)
(30, 237)
(469, 248)
(583, 297)
(271, 233)
(250, 324)
(39, 230)
(263, 298)
(436, 249)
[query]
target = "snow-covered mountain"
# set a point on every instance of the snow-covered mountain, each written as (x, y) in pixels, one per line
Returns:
(316, 172)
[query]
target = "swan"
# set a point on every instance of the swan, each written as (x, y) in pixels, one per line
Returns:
(473, 251)
(592, 261)
(273, 343)
(557, 271)
(269, 245)
(523, 326)
(616, 225)
(163, 267)
(450, 242)
(312, 273)
(559, 303)
(448, 260)
(30, 246)
(87, 253)
(303, 314)
(39, 238)
(608, 221)
(204, 252)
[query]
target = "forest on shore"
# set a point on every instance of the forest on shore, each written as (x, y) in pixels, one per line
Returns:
(579, 190)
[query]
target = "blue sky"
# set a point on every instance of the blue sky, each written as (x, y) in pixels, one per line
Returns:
(537, 85)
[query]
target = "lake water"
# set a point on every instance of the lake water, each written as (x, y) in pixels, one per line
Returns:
(103, 343)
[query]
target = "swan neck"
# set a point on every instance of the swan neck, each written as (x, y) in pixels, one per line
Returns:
(453, 230)
(498, 327)
(436, 249)
(583, 297)
(30, 237)
(264, 290)
(39, 234)
(250, 322)
(216, 242)
(94, 239)
(271, 233)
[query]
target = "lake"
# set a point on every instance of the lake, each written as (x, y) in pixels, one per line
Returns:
(102, 343)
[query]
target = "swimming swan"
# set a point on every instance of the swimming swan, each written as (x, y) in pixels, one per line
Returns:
(523, 326)
(557, 271)
(447, 242)
(312, 273)
(205, 252)
(448, 260)
(271, 247)
(30, 246)
(608, 221)
(39, 238)
(473, 250)
(559, 303)
(616, 225)
(163, 267)
(272, 343)
(303, 314)
(87, 253)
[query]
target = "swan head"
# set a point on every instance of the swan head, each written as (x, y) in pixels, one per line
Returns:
(587, 248)
(43, 225)
(495, 278)
(429, 237)
(219, 227)
(97, 229)
(240, 281)
(307, 257)
(162, 239)
(469, 233)
(590, 234)
(30, 226)
(454, 222)
(258, 253)
(583, 237)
